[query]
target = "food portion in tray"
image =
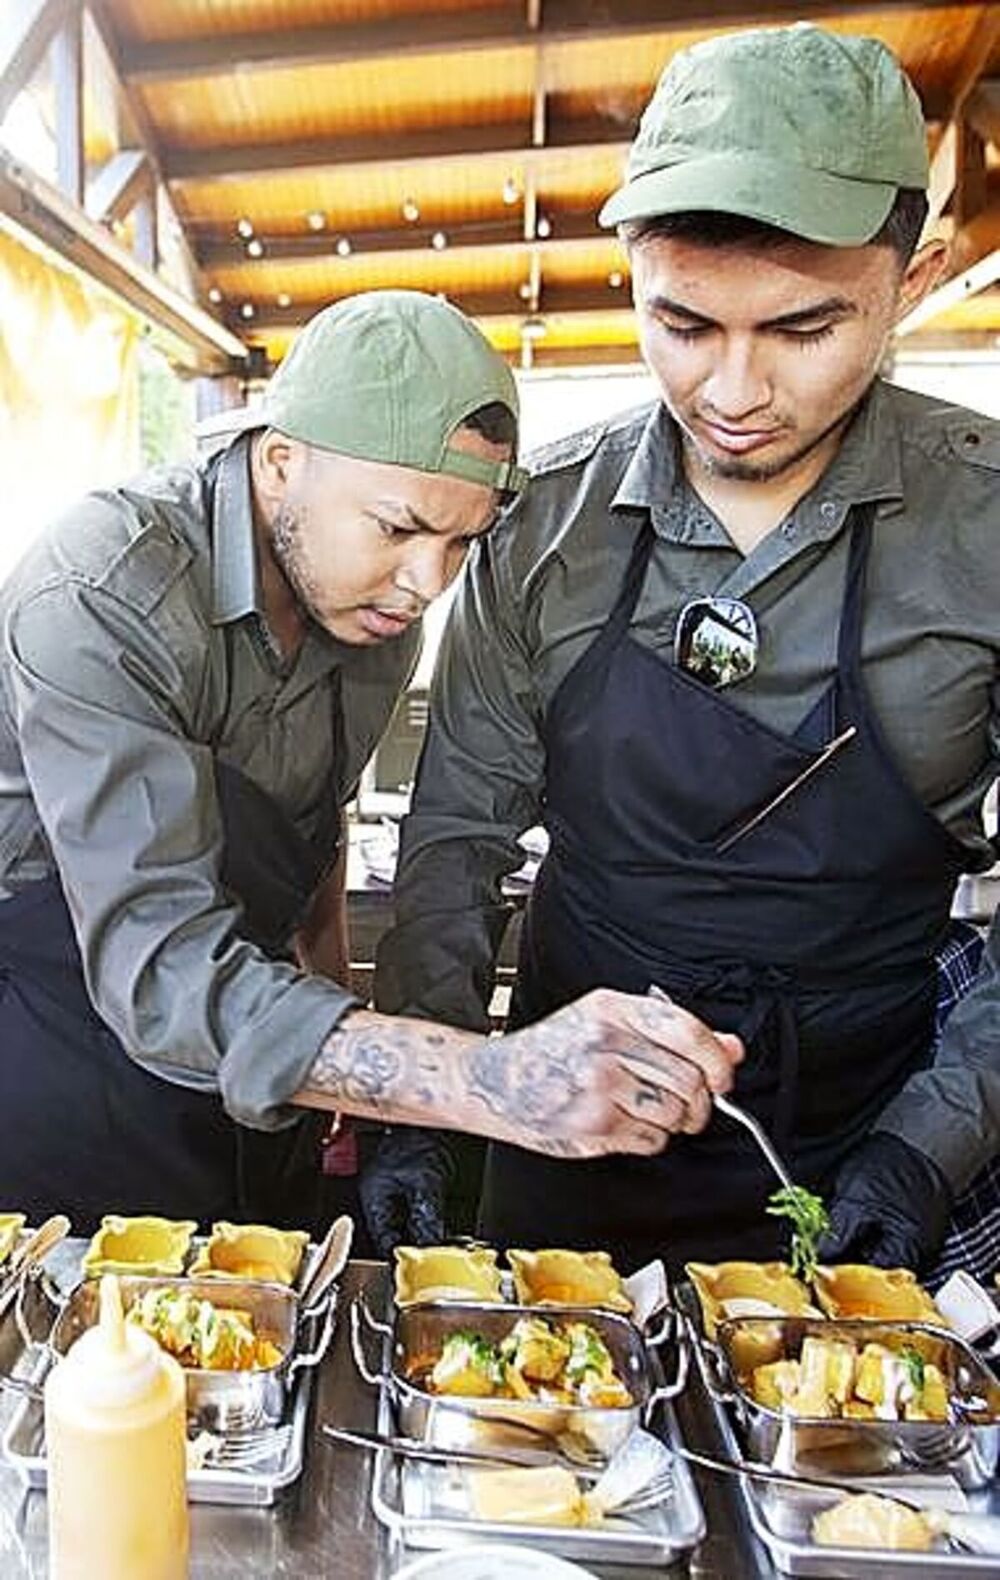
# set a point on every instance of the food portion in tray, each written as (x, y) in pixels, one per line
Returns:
(203, 1336)
(551, 1362)
(850, 1290)
(550, 1277)
(251, 1250)
(839, 1378)
(446, 1272)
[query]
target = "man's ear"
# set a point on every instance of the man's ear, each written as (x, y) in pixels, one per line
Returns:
(923, 272)
(270, 465)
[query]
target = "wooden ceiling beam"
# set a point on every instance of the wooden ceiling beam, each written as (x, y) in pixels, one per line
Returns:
(951, 156)
(143, 127)
(118, 185)
(46, 213)
(477, 304)
(29, 26)
(510, 140)
(982, 109)
(457, 32)
(219, 252)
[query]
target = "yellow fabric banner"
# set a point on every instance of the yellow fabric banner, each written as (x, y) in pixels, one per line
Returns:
(69, 392)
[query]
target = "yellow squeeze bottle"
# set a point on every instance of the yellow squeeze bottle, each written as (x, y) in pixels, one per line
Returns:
(115, 1434)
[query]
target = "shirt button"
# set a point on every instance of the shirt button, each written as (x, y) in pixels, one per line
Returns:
(828, 510)
(971, 438)
(788, 529)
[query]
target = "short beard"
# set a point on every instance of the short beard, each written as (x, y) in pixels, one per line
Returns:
(285, 551)
(737, 471)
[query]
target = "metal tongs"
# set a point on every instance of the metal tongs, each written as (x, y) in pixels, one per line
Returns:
(725, 1105)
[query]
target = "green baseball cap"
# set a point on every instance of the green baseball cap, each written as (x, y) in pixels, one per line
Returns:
(389, 376)
(810, 131)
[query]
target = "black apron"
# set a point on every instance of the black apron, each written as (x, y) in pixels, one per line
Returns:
(83, 1128)
(812, 936)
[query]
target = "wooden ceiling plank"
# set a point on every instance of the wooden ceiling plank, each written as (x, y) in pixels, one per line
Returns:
(29, 28)
(460, 32)
(477, 304)
(602, 134)
(294, 249)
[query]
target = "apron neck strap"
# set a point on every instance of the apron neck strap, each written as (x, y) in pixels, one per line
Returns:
(852, 610)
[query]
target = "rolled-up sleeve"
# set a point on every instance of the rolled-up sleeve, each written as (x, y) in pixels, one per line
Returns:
(478, 788)
(103, 707)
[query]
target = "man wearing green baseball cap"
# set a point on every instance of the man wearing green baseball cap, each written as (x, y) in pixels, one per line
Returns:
(739, 654)
(195, 668)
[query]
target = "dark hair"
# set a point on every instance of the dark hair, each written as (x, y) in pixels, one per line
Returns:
(496, 422)
(900, 231)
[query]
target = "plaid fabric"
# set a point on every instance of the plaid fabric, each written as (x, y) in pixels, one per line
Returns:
(973, 1240)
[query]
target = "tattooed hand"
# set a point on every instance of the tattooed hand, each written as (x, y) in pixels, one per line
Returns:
(611, 1073)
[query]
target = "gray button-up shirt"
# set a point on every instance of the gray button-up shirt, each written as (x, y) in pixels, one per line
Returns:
(540, 588)
(134, 650)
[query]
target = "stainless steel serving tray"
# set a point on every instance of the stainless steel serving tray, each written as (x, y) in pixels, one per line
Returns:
(414, 1337)
(781, 1518)
(426, 1506)
(967, 1446)
(218, 1399)
(23, 1444)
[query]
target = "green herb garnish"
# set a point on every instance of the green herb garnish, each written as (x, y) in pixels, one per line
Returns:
(809, 1220)
(915, 1369)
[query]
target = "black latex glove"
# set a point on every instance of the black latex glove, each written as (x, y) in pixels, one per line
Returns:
(403, 1188)
(890, 1207)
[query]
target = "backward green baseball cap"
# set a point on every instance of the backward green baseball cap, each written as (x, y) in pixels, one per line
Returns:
(810, 131)
(389, 376)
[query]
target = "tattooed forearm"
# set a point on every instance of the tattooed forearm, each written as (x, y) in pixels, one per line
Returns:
(396, 1070)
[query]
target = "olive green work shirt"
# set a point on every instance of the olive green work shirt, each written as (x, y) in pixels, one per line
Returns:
(538, 591)
(134, 650)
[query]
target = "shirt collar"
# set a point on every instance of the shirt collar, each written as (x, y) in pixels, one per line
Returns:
(867, 465)
(235, 580)
(653, 472)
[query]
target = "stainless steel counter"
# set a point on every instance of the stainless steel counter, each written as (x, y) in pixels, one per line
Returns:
(324, 1527)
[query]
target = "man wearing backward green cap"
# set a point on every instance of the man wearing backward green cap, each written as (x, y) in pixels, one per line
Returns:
(739, 653)
(195, 668)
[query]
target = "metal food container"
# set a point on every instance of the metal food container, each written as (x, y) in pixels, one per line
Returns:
(966, 1446)
(221, 1401)
(413, 1341)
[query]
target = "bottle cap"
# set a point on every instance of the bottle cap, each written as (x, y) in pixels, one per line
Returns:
(114, 1363)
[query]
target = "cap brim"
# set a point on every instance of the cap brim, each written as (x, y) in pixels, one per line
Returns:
(217, 430)
(809, 203)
